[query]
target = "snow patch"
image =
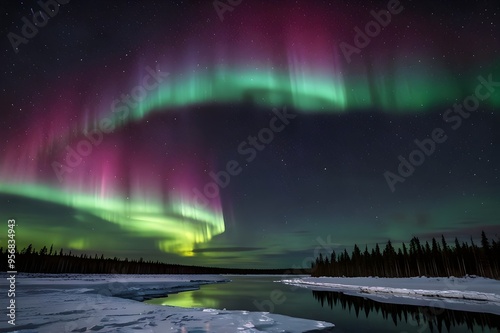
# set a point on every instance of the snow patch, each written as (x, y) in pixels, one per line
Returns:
(106, 303)
(468, 294)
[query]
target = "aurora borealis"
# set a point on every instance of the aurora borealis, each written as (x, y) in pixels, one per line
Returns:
(162, 94)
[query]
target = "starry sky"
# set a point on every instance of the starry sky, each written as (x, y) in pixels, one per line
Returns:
(256, 134)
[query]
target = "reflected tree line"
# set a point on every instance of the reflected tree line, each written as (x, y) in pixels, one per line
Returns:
(436, 319)
(436, 258)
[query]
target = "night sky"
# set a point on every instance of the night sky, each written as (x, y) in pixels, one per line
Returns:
(118, 115)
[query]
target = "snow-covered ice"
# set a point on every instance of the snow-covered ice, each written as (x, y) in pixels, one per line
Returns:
(468, 294)
(110, 303)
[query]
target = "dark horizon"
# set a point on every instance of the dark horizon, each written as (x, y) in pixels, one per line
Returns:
(309, 265)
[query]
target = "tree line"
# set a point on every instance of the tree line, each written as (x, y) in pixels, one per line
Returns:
(46, 260)
(436, 258)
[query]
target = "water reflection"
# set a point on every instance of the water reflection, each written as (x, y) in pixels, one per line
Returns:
(350, 314)
(434, 319)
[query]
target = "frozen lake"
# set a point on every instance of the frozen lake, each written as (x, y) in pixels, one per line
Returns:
(112, 303)
(349, 313)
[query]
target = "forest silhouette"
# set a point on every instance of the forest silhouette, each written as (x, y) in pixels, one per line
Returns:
(434, 259)
(415, 259)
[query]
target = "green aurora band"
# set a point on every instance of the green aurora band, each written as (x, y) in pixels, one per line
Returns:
(184, 224)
